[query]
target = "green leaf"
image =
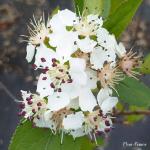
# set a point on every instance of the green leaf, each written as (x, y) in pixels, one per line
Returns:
(145, 68)
(100, 7)
(121, 14)
(115, 4)
(134, 92)
(28, 138)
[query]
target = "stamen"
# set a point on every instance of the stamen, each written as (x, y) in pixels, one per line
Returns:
(130, 62)
(109, 76)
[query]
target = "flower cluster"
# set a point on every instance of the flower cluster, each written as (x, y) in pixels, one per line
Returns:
(75, 55)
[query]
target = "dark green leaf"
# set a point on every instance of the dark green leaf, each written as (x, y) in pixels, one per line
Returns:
(79, 5)
(86, 7)
(55, 11)
(28, 138)
(134, 92)
(121, 14)
(145, 68)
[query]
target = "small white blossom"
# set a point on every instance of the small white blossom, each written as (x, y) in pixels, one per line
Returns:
(105, 100)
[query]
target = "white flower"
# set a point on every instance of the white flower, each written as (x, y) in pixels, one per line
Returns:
(109, 76)
(86, 99)
(32, 105)
(61, 74)
(87, 26)
(105, 100)
(100, 55)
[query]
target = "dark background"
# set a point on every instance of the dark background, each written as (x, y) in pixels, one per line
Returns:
(16, 74)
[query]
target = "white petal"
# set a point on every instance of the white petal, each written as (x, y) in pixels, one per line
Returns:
(25, 94)
(30, 52)
(44, 121)
(77, 133)
(71, 88)
(73, 121)
(44, 53)
(56, 24)
(99, 56)
(92, 78)
(86, 45)
(103, 94)
(108, 104)
(64, 43)
(105, 39)
(77, 67)
(77, 64)
(74, 103)
(58, 101)
(79, 77)
(120, 50)
(67, 17)
(87, 100)
(43, 85)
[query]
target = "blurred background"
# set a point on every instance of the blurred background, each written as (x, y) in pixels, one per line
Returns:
(16, 74)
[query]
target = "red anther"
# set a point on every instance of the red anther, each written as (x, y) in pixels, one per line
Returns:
(44, 78)
(28, 98)
(30, 102)
(52, 85)
(45, 70)
(70, 81)
(33, 110)
(95, 118)
(107, 130)
(54, 65)
(39, 104)
(34, 66)
(43, 59)
(23, 113)
(107, 123)
(63, 81)
(59, 90)
(22, 105)
(54, 60)
(61, 70)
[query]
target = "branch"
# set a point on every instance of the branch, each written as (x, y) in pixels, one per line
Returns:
(3, 87)
(125, 113)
